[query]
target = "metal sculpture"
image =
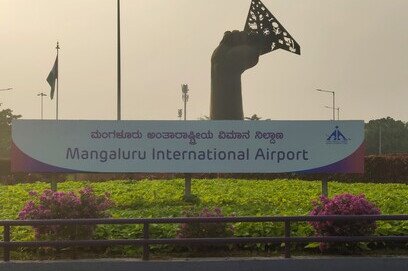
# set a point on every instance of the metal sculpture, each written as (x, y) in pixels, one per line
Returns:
(239, 51)
(274, 36)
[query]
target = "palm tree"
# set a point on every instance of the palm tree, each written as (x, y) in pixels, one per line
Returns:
(205, 117)
(253, 117)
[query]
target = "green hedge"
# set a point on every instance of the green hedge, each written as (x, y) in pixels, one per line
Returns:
(378, 169)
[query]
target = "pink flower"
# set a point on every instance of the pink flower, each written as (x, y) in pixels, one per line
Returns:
(344, 204)
(65, 205)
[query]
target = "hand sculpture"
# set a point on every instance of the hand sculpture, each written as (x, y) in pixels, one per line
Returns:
(237, 52)
(4, 167)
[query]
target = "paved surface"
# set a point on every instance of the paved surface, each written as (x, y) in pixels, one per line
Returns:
(240, 264)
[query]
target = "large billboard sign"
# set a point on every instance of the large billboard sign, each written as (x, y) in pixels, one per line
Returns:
(188, 146)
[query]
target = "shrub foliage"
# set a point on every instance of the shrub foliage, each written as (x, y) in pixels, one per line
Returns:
(344, 204)
(204, 230)
(65, 205)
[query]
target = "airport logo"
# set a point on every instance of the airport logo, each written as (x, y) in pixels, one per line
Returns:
(337, 137)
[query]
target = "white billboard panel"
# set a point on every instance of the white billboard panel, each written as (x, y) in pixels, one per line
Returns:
(188, 146)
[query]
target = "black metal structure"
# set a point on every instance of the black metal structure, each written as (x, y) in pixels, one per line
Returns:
(145, 242)
(274, 36)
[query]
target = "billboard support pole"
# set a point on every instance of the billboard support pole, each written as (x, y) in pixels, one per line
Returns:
(187, 187)
(325, 187)
(187, 177)
(54, 185)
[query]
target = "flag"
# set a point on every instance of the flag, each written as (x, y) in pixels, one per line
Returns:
(261, 21)
(52, 77)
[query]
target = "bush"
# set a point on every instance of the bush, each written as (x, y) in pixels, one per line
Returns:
(387, 168)
(205, 230)
(344, 204)
(65, 205)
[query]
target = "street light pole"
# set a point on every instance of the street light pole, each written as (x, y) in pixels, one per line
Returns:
(325, 181)
(185, 96)
(42, 95)
(57, 102)
(187, 176)
(338, 111)
(334, 100)
(180, 113)
(334, 105)
(119, 70)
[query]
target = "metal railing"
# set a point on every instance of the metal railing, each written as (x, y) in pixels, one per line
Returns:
(146, 241)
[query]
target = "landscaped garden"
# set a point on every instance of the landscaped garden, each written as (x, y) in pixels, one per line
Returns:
(159, 198)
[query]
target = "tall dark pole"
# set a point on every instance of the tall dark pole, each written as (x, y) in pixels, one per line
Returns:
(187, 176)
(54, 183)
(58, 47)
(185, 96)
(185, 110)
(119, 69)
(42, 95)
(334, 105)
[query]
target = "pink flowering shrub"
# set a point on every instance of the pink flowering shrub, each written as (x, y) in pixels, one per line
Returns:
(65, 205)
(344, 204)
(205, 230)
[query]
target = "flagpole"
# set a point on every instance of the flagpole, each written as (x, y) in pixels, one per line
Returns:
(54, 183)
(58, 47)
(119, 100)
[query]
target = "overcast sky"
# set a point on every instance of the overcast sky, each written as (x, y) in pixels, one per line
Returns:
(356, 48)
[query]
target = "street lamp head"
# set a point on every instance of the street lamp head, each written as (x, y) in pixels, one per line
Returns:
(323, 90)
(184, 88)
(4, 89)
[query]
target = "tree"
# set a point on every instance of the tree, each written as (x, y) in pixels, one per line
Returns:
(393, 135)
(6, 117)
(205, 117)
(253, 117)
